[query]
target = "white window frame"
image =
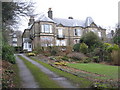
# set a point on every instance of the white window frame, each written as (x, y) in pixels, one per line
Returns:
(14, 39)
(46, 28)
(99, 34)
(60, 31)
(77, 32)
(60, 43)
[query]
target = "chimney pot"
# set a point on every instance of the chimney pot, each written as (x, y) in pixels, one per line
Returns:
(70, 17)
(31, 20)
(50, 9)
(50, 15)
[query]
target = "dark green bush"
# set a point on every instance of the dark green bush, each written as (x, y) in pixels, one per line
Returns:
(96, 59)
(53, 52)
(18, 49)
(65, 58)
(8, 53)
(76, 47)
(91, 39)
(87, 60)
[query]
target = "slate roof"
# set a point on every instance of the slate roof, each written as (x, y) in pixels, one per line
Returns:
(69, 22)
(29, 27)
(27, 40)
(44, 18)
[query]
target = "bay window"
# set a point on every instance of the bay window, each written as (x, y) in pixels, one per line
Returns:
(46, 28)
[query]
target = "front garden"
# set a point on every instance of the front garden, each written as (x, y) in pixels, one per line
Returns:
(91, 58)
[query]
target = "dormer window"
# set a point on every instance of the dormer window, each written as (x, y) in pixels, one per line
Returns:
(46, 28)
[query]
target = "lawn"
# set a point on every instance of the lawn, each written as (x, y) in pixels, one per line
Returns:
(107, 70)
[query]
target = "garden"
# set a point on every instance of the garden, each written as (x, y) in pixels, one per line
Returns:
(91, 58)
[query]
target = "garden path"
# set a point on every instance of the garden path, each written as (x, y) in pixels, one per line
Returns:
(27, 80)
(62, 81)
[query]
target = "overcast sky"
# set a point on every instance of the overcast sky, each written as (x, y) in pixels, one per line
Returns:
(103, 12)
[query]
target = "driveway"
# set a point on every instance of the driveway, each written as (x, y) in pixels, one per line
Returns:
(62, 81)
(27, 80)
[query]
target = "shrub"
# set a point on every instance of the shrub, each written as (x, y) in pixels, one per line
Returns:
(113, 47)
(38, 50)
(18, 49)
(76, 47)
(31, 54)
(77, 56)
(60, 63)
(65, 58)
(68, 50)
(8, 53)
(53, 52)
(96, 59)
(58, 58)
(106, 45)
(91, 39)
(86, 61)
(83, 48)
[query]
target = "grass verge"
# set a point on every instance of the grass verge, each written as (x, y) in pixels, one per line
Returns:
(16, 78)
(82, 82)
(43, 80)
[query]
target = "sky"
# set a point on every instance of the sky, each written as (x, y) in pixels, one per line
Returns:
(103, 12)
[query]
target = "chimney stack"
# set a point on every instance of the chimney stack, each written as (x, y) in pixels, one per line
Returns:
(50, 15)
(31, 20)
(70, 17)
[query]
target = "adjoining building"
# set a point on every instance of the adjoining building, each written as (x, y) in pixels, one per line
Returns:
(15, 39)
(49, 31)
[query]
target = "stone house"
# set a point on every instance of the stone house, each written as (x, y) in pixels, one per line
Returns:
(49, 31)
(15, 38)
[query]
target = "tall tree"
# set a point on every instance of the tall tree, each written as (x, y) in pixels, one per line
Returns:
(12, 10)
(116, 38)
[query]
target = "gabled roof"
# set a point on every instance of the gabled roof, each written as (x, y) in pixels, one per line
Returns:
(65, 22)
(44, 18)
(88, 21)
(69, 22)
(27, 40)
(29, 27)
